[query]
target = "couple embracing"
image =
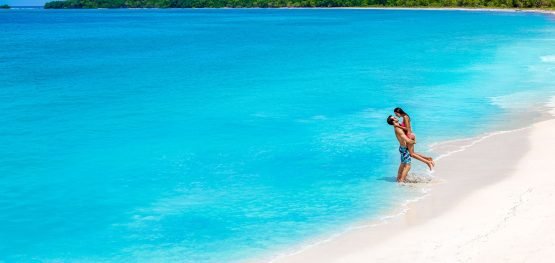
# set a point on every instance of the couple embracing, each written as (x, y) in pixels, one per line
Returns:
(407, 139)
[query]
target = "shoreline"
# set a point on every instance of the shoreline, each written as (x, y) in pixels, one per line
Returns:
(423, 8)
(455, 182)
(479, 9)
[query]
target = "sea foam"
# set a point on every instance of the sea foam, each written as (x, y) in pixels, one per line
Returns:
(551, 105)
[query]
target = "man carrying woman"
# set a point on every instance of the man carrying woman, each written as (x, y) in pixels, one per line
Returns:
(407, 139)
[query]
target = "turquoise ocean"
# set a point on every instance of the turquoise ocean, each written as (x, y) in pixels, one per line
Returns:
(224, 135)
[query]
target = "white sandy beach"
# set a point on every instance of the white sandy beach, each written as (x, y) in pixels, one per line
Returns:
(495, 204)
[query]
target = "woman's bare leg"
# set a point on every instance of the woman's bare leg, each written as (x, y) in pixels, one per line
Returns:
(425, 159)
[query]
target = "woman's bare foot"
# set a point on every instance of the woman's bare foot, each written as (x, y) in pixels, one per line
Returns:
(430, 165)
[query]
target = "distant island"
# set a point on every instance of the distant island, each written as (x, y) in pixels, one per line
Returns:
(298, 3)
(4, 7)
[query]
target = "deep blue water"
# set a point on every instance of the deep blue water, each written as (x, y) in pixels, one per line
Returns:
(219, 135)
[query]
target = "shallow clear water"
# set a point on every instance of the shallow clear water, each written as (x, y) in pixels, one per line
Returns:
(219, 135)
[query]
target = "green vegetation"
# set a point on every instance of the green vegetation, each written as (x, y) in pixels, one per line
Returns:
(4, 7)
(298, 3)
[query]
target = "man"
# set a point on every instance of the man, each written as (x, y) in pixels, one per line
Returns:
(404, 167)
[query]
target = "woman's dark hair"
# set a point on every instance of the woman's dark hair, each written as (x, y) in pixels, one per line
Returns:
(400, 111)
(390, 120)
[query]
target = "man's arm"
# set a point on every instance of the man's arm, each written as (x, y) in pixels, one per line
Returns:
(403, 136)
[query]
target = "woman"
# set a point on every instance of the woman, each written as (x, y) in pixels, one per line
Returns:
(405, 125)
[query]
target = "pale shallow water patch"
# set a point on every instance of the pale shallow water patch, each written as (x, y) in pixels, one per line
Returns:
(518, 100)
(548, 59)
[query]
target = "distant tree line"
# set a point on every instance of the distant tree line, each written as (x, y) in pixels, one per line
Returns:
(297, 3)
(4, 7)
